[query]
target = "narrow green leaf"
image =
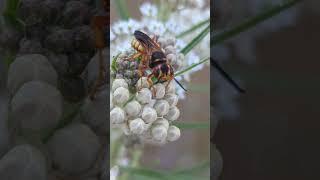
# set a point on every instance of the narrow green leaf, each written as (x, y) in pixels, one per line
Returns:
(192, 66)
(114, 63)
(252, 22)
(146, 172)
(10, 14)
(193, 28)
(196, 41)
(192, 125)
(122, 9)
(194, 170)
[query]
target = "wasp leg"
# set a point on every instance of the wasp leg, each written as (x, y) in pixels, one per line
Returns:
(150, 83)
(155, 39)
(134, 56)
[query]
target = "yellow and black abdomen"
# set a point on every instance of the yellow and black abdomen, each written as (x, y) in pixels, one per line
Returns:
(137, 45)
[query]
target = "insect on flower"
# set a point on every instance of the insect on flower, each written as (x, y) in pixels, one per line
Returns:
(152, 57)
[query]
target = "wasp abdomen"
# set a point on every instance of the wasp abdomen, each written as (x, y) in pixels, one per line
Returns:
(137, 45)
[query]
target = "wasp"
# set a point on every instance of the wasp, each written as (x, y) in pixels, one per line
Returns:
(152, 57)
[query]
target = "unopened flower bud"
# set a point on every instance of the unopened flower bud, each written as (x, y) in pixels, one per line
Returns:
(172, 99)
(170, 41)
(172, 59)
(160, 90)
(149, 114)
(117, 116)
(120, 95)
(142, 83)
(173, 133)
(170, 50)
(119, 83)
(162, 121)
(144, 96)
(173, 114)
(159, 132)
(136, 126)
(162, 107)
(133, 108)
(171, 88)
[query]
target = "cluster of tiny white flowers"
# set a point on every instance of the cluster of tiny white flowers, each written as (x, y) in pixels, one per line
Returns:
(143, 111)
(147, 115)
(186, 16)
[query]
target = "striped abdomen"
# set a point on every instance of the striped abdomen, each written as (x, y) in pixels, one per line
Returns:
(137, 45)
(163, 72)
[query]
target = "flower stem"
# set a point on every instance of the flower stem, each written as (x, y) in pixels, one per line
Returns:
(193, 28)
(196, 41)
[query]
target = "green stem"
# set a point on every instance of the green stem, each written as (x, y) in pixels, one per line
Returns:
(252, 22)
(196, 41)
(192, 66)
(193, 28)
(192, 125)
(122, 9)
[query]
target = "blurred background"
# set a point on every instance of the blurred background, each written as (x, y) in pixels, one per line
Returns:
(193, 147)
(271, 132)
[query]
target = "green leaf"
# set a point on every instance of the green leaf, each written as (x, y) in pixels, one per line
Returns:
(252, 22)
(196, 41)
(10, 14)
(192, 125)
(192, 66)
(114, 63)
(122, 9)
(193, 28)
(196, 169)
(146, 172)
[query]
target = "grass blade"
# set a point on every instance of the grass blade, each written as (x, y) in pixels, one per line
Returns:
(192, 125)
(196, 41)
(145, 172)
(10, 14)
(193, 28)
(122, 9)
(252, 22)
(196, 169)
(192, 66)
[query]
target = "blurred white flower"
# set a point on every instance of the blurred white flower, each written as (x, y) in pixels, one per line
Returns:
(114, 171)
(148, 9)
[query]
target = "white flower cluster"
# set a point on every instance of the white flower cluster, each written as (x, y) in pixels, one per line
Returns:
(148, 114)
(187, 14)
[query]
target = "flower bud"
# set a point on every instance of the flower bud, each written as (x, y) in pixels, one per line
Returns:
(171, 88)
(173, 114)
(111, 102)
(136, 126)
(171, 41)
(162, 107)
(180, 56)
(151, 103)
(119, 83)
(160, 90)
(144, 96)
(173, 133)
(170, 50)
(149, 114)
(117, 116)
(142, 83)
(172, 99)
(162, 121)
(159, 132)
(133, 108)
(120, 95)
(172, 59)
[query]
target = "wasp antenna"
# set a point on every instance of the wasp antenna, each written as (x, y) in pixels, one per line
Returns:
(215, 64)
(180, 84)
